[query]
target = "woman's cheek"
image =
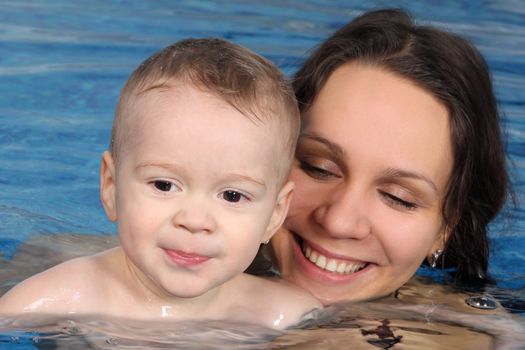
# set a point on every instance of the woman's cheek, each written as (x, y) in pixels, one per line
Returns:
(407, 244)
(309, 194)
(303, 196)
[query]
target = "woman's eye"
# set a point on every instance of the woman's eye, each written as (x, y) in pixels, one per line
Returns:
(232, 196)
(164, 186)
(315, 171)
(398, 202)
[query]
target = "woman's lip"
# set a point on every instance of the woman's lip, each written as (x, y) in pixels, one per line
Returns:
(318, 274)
(326, 252)
(182, 258)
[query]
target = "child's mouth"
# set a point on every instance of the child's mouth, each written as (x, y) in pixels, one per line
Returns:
(184, 258)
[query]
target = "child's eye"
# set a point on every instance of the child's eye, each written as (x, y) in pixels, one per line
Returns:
(232, 196)
(164, 186)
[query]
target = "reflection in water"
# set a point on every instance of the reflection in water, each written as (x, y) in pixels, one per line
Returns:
(481, 302)
(92, 332)
(421, 315)
(385, 337)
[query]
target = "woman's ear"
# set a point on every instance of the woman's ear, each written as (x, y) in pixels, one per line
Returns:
(107, 185)
(280, 211)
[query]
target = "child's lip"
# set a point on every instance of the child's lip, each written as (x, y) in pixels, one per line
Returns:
(185, 258)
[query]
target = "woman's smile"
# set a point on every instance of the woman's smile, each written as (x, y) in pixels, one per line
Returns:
(321, 264)
(328, 261)
(330, 264)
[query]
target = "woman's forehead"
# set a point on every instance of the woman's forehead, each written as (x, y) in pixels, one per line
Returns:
(370, 113)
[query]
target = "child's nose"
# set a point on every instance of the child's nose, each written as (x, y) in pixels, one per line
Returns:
(195, 217)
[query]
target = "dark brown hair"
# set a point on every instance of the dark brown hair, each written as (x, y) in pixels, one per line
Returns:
(240, 77)
(452, 70)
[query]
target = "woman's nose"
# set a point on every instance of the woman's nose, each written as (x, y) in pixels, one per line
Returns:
(194, 216)
(344, 215)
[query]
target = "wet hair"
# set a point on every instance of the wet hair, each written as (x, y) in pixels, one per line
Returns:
(453, 71)
(248, 82)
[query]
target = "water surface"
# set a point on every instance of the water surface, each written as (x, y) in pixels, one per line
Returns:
(62, 64)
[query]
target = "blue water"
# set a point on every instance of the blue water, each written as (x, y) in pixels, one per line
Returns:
(62, 64)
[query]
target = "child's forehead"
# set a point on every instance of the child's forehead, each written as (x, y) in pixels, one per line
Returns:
(156, 91)
(203, 114)
(175, 105)
(189, 118)
(177, 97)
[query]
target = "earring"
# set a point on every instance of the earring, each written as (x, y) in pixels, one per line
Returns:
(266, 242)
(433, 259)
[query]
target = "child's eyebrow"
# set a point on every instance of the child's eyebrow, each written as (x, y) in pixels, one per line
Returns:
(159, 165)
(241, 177)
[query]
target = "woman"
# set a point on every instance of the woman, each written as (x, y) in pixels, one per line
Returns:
(400, 161)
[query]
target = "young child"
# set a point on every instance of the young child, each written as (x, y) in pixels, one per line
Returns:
(196, 177)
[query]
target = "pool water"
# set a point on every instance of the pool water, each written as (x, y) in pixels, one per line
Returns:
(62, 64)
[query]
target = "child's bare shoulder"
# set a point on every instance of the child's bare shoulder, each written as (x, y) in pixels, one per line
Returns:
(68, 287)
(282, 304)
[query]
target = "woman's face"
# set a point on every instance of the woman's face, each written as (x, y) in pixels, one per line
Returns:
(371, 173)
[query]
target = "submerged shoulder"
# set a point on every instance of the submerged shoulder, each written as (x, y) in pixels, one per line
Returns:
(66, 287)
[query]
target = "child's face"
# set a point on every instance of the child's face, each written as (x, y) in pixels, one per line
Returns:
(195, 191)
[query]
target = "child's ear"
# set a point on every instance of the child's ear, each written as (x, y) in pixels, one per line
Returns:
(279, 212)
(107, 185)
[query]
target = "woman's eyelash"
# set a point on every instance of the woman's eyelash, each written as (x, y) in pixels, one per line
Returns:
(396, 201)
(314, 171)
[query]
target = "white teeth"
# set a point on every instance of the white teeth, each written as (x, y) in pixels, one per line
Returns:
(313, 257)
(321, 261)
(308, 252)
(331, 265)
(341, 268)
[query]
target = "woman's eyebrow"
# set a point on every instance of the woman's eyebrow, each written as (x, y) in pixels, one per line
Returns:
(334, 147)
(400, 173)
